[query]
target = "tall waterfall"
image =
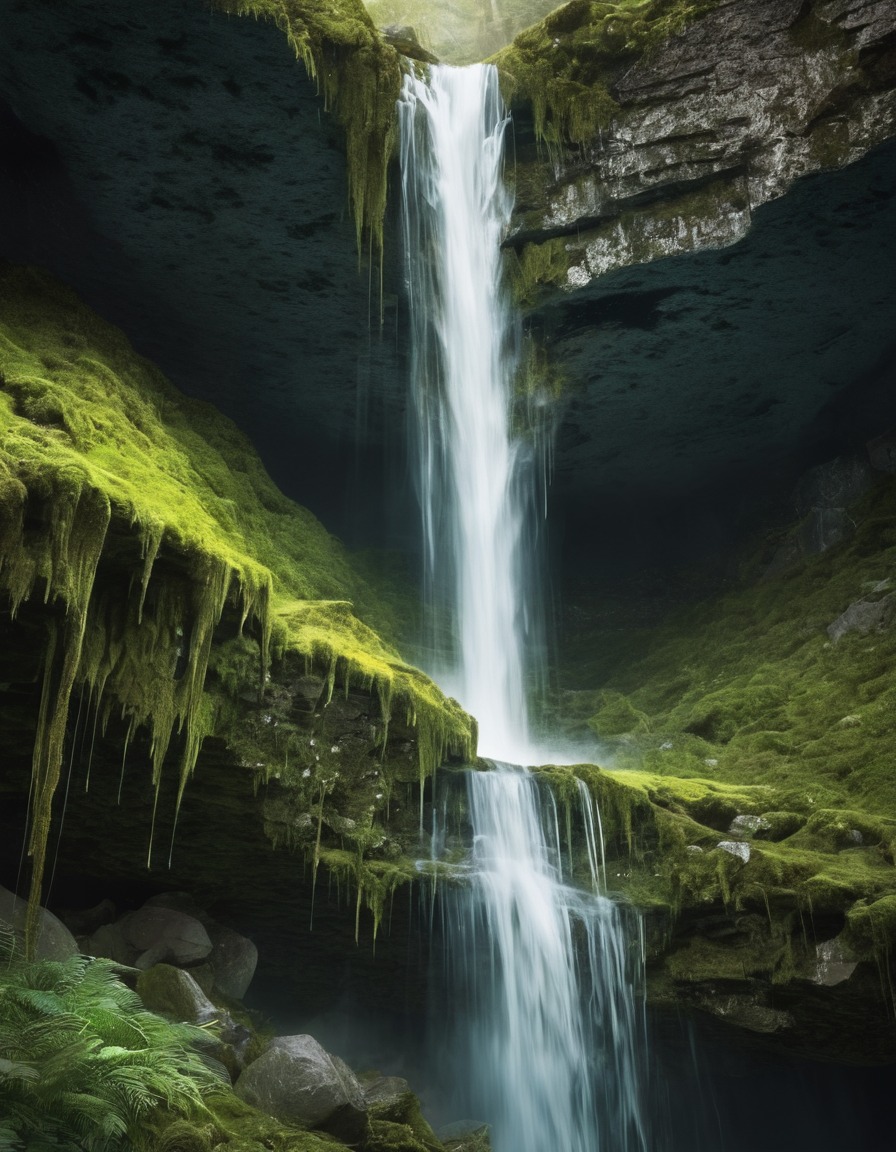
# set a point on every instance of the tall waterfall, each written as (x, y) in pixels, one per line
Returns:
(473, 475)
(543, 974)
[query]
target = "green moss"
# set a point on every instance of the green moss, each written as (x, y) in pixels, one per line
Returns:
(617, 716)
(565, 66)
(149, 538)
(388, 1136)
(871, 927)
(360, 78)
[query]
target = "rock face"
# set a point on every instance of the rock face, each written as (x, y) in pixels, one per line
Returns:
(714, 123)
(296, 1079)
(703, 322)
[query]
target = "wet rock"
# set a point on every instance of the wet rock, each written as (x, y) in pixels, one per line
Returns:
(835, 963)
(174, 993)
(54, 941)
(748, 825)
(465, 1136)
(864, 616)
(745, 1012)
(384, 1092)
(296, 1079)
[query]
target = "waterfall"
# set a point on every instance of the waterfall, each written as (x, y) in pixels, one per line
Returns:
(543, 974)
(473, 474)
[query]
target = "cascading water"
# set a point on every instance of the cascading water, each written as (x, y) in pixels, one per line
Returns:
(473, 474)
(542, 967)
(541, 980)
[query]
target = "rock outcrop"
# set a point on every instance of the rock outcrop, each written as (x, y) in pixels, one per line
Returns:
(707, 126)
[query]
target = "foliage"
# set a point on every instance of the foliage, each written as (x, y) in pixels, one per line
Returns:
(744, 706)
(464, 31)
(83, 1065)
(152, 537)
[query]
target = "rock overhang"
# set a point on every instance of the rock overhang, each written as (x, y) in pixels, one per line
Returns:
(212, 223)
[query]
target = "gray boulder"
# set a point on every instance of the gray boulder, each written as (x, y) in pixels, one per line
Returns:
(233, 959)
(164, 935)
(864, 616)
(54, 941)
(107, 941)
(297, 1080)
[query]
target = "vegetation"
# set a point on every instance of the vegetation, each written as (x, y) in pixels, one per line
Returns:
(84, 1066)
(149, 537)
(746, 707)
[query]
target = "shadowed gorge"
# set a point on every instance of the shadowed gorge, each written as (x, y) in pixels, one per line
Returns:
(337, 382)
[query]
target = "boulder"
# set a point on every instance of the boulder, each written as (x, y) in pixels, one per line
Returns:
(164, 935)
(297, 1080)
(107, 941)
(172, 992)
(835, 962)
(233, 959)
(54, 941)
(864, 616)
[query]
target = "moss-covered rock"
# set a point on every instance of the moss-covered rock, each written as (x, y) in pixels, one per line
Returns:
(148, 527)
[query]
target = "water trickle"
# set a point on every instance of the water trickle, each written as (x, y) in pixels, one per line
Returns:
(543, 972)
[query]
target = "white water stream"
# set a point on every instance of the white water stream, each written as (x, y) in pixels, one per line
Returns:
(473, 474)
(543, 971)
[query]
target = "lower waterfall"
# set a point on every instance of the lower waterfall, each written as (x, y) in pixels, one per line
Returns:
(543, 973)
(543, 979)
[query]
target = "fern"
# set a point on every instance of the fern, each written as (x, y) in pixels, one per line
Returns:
(83, 1066)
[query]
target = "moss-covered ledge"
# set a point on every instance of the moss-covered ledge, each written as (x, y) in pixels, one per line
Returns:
(752, 807)
(142, 540)
(777, 920)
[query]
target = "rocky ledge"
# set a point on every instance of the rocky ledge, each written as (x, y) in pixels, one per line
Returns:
(699, 130)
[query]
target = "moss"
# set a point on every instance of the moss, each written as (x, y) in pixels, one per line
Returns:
(565, 66)
(617, 716)
(871, 927)
(537, 266)
(241, 1128)
(405, 1112)
(387, 1136)
(150, 541)
(360, 78)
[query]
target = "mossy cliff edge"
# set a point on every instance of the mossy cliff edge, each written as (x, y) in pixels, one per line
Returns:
(142, 540)
(359, 75)
(752, 805)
